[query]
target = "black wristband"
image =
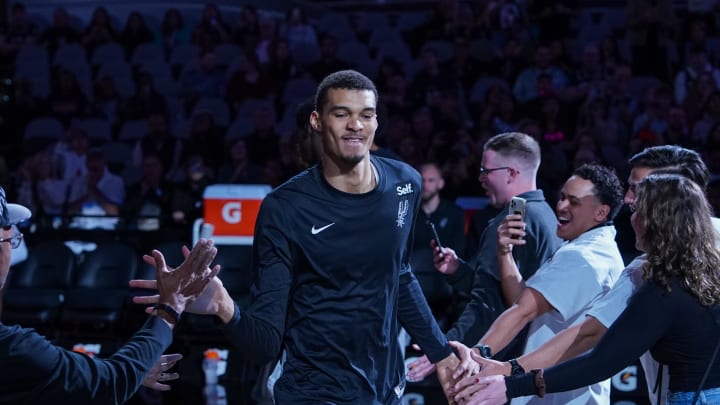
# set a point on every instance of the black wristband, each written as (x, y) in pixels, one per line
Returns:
(485, 351)
(170, 311)
(515, 367)
(539, 380)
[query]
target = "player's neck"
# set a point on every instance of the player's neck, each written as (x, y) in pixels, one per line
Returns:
(357, 179)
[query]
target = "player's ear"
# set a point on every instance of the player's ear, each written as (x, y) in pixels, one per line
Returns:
(315, 123)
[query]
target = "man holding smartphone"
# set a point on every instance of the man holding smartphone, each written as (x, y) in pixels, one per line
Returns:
(509, 168)
(581, 271)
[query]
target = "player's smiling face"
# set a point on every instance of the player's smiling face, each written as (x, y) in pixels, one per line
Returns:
(347, 122)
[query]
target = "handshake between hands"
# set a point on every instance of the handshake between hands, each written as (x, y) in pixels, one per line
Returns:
(467, 380)
(192, 287)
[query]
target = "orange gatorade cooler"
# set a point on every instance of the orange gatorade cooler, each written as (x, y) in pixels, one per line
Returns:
(230, 212)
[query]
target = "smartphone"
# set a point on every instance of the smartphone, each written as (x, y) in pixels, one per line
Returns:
(435, 235)
(517, 206)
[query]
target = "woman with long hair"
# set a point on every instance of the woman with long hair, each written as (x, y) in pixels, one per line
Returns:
(674, 313)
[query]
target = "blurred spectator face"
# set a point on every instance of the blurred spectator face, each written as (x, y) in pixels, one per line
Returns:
(397, 83)
(706, 83)
(152, 170)
(328, 46)
(267, 28)
(264, 119)
(583, 156)
(210, 12)
(135, 22)
(100, 17)
(296, 16)
(422, 123)
(67, 81)
(545, 86)
(551, 107)
(208, 62)
(429, 59)
(591, 56)
(61, 18)
(621, 78)
(78, 142)
(432, 181)
(282, 50)
(107, 86)
(698, 31)
(698, 61)
(18, 14)
(238, 151)
(173, 18)
(677, 118)
(157, 124)
(202, 121)
(96, 167)
(543, 57)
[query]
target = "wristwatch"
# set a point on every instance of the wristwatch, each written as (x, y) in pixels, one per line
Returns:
(485, 351)
(515, 367)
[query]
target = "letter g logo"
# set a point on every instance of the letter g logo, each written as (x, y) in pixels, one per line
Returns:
(232, 213)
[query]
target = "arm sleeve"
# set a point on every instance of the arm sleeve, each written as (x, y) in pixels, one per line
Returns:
(415, 316)
(413, 311)
(258, 330)
(643, 323)
(42, 372)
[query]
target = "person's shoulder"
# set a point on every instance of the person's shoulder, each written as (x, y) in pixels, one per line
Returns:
(395, 168)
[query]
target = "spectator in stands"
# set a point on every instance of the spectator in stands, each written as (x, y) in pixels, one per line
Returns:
(280, 67)
(160, 143)
(553, 18)
(711, 149)
(148, 206)
(526, 85)
(248, 82)
(588, 76)
(145, 98)
(449, 222)
(72, 154)
(649, 125)
(19, 30)
(309, 145)
(246, 32)
(173, 31)
(187, 201)
(97, 193)
(262, 142)
(698, 64)
(429, 79)
(329, 61)
(296, 28)
(396, 93)
(99, 31)
(202, 79)
(42, 187)
(206, 138)
(212, 29)
(60, 32)
(595, 119)
(107, 101)
(710, 116)
(622, 105)
(66, 100)
(677, 131)
(238, 168)
(650, 25)
(698, 93)
(135, 33)
(267, 34)
(610, 55)
(464, 67)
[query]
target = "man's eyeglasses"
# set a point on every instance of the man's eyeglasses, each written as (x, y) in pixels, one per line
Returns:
(14, 240)
(485, 171)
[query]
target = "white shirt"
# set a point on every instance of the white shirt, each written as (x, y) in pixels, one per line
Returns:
(579, 273)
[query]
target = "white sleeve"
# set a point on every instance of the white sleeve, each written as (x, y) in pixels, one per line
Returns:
(610, 306)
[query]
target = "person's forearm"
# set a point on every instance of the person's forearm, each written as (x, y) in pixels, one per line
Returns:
(226, 307)
(505, 328)
(511, 280)
(588, 336)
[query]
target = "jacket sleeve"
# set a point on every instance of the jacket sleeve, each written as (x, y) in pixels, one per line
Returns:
(44, 373)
